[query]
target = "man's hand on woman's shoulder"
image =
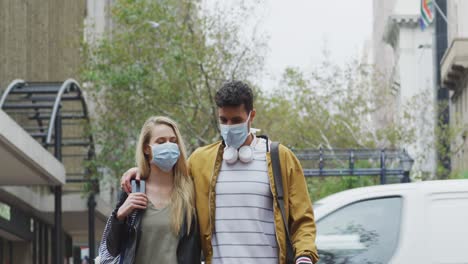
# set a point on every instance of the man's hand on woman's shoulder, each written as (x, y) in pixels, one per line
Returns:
(125, 181)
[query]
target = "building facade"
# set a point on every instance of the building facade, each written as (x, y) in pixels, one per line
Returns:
(40, 42)
(403, 53)
(24, 221)
(454, 76)
(383, 59)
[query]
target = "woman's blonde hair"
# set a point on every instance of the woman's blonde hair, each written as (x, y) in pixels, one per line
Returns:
(182, 199)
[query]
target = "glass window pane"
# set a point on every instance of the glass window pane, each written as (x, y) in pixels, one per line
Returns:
(363, 232)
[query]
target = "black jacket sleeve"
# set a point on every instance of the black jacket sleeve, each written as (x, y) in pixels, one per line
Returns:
(196, 240)
(189, 249)
(117, 230)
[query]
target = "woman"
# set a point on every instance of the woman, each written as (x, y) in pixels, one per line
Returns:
(158, 225)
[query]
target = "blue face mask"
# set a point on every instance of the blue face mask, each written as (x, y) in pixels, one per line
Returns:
(235, 135)
(165, 155)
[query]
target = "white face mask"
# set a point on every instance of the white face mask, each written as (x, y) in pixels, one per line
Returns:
(235, 135)
(165, 155)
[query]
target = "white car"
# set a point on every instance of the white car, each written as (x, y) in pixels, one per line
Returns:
(422, 222)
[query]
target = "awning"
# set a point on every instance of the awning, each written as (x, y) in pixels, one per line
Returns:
(74, 210)
(23, 161)
(454, 64)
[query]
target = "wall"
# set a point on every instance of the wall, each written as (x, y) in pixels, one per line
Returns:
(416, 76)
(40, 40)
(457, 18)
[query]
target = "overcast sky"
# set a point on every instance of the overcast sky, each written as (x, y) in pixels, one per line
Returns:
(299, 30)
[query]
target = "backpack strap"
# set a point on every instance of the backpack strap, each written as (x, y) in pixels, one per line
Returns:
(276, 166)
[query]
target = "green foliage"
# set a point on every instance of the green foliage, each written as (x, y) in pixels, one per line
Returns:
(463, 174)
(324, 186)
(331, 107)
(320, 187)
(450, 140)
(136, 71)
(334, 107)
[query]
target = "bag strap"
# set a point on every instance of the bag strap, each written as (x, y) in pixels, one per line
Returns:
(275, 161)
(134, 226)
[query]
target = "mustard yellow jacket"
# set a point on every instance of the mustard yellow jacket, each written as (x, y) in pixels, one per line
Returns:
(205, 164)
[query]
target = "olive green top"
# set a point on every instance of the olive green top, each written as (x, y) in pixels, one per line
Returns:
(158, 243)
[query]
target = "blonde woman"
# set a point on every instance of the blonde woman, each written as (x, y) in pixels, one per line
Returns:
(159, 224)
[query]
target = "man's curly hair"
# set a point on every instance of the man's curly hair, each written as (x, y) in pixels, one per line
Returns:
(235, 93)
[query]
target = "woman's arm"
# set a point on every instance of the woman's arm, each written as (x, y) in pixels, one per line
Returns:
(197, 241)
(114, 231)
(189, 247)
(118, 226)
(116, 235)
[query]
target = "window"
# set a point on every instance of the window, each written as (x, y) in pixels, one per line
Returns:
(362, 232)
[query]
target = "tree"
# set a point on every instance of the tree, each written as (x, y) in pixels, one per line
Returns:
(335, 107)
(167, 58)
(331, 107)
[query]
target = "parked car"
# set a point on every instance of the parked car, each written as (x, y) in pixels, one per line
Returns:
(422, 222)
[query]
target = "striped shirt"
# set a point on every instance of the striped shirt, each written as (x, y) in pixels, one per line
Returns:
(244, 223)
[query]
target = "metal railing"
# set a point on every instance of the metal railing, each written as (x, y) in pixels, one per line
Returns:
(356, 162)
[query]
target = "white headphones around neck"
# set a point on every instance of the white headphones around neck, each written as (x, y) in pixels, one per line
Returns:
(245, 154)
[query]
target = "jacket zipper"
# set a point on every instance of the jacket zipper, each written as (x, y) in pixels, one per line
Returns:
(209, 198)
(215, 170)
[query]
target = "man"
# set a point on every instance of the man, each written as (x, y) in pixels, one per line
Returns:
(239, 218)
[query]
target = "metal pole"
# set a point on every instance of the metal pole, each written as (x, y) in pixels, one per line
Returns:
(58, 259)
(321, 161)
(58, 136)
(58, 226)
(440, 12)
(40, 226)
(91, 228)
(1, 250)
(406, 177)
(443, 111)
(382, 167)
(10, 252)
(46, 243)
(34, 248)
